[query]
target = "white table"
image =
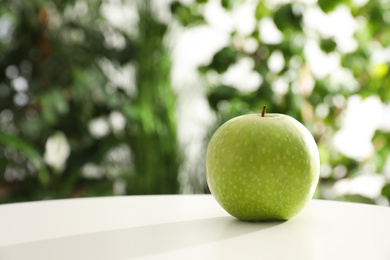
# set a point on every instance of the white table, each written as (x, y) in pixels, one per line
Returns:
(187, 227)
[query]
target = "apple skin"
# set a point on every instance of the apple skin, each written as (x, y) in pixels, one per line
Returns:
(262, 168)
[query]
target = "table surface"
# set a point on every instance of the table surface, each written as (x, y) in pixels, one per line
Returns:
(187, 227)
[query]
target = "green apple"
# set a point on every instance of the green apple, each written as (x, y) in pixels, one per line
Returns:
(262, 166)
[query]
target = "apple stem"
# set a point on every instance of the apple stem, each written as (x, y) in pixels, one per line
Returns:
(263, 112)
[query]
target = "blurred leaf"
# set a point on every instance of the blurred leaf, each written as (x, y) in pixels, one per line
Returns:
(222, 60)
(380, 142)
(185, 15)
(386, 190)
(285, 18)
(379, 71)
(262, 11)
(53, 105)
(230, 4)
(328, 45)
(220, 93)
(374, 13)
(328, 6)
(30, 152)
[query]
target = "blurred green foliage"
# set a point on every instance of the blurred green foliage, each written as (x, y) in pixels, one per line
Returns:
(54, 86)
(298, 100)
(98, 96)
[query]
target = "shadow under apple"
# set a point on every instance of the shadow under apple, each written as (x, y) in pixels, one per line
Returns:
(137, 241)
